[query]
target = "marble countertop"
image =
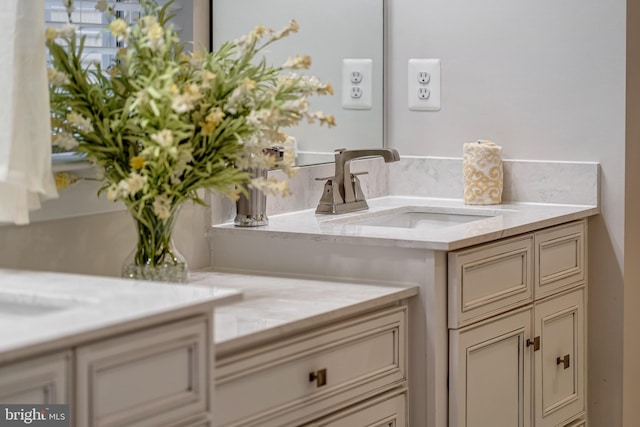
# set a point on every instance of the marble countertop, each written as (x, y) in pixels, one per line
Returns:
(43, 311)
(274, 306)
(502, 220)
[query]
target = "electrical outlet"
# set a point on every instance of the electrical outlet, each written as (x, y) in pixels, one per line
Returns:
(423, 77)
(357, 84)
(424, 84)
(423, 93)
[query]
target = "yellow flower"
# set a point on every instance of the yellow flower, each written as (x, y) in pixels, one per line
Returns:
(51, 33)
(298, 62)
(155, 31)
(249, 84)
(118, 27)
(259, 30)
(213, 119)
(64, 180)
(136, 162)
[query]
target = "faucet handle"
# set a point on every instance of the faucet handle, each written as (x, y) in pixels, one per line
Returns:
(359, 173)
(326, 178)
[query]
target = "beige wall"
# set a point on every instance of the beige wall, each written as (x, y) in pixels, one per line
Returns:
(95, 244)
(546, 80)
(631, 337)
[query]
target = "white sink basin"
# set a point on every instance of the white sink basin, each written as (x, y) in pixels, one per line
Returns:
(417, 217)
(419, 220)
(20, 304)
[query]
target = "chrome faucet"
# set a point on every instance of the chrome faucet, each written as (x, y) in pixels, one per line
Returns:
(342, 192)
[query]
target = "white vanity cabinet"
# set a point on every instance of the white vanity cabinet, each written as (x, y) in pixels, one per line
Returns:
(517, 313)
(352, 372)
(43, 380)
(155, 376)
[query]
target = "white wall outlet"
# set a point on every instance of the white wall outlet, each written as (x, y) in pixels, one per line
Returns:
(424, 93)
(424, 84)
(357, 84)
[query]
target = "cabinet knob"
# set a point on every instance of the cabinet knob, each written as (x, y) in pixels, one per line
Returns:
(320, 377)
(535, 343)
(564, 361)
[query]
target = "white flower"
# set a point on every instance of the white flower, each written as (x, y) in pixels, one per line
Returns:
(66, 141)
(135, 182)
(162, 206)
(112, 192)
(164, 138)
(187, 100)
(67, 31)
(155, 33)
(57, 78)
(68, 4)
(258, 117)
(181, 104)
(81, 122)
(299, 105)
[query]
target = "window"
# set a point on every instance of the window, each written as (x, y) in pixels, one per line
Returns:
(100, 45)
(192, 22)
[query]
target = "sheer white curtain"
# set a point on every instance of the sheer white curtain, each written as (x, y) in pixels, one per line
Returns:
(25, 129)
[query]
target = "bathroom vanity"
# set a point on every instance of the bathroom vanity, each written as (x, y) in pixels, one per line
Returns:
(299, 352)
(119, 352)
(497, 333)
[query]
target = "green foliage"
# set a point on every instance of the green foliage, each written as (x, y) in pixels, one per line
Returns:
(162, 124)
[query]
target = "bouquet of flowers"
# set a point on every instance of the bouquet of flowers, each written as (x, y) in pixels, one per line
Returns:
(161, 123)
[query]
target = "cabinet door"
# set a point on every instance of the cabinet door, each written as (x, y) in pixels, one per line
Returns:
(38, 381)
(490, 372)
(560, 364)
(155, 377)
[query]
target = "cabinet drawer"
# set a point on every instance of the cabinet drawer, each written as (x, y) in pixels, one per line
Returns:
(489, 279)
(39, 381)
(388, 410)
(577, 423)
(148, 378)
(275, 385)
(560, 254)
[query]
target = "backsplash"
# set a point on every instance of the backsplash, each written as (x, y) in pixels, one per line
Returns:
(572, 183)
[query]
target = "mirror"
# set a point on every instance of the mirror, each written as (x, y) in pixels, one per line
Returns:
(330, 32)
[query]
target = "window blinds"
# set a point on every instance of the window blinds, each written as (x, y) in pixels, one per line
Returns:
(100, 45)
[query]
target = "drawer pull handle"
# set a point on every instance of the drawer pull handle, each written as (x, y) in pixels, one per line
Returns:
(535, 343)
(320, 377)
(564, 361)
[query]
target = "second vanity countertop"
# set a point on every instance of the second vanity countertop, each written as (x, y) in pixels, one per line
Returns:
(503, 220)
(41, 311)
(273, 307)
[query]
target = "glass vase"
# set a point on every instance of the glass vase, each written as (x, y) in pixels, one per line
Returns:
(155, 256)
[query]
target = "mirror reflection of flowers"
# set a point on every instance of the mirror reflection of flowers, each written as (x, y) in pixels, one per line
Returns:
(162, 123)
